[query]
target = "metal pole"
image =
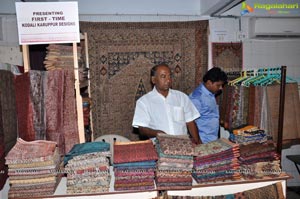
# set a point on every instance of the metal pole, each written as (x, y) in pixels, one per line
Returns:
(281, 109)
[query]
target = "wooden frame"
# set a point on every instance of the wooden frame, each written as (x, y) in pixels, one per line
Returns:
(80, 122)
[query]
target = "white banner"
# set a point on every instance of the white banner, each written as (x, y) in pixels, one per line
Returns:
(47, 22)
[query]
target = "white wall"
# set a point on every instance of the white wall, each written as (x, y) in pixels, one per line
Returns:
(257, 53)
(129, 10)
(11, 55)
(139, 10)
(10, 51)
(140, 7)
(265, 53)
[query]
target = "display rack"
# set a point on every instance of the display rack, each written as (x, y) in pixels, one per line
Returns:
(281, 109)
(84, 37)
(80, 122)
(281, 102)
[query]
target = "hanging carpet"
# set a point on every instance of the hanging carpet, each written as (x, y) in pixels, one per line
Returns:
(228, 56)
(121, 56)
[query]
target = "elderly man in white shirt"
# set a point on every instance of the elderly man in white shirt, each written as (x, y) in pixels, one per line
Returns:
(164, 110)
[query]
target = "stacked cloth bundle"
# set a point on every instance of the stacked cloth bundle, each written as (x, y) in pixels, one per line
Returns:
(248, 134)
(61, 57)
(175, 162)
(216, 161)
(134, 165)
(87, 168)
(258, 160)
(33, 166)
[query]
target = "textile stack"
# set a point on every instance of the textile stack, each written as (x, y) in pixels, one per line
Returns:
(259, 159)
(134, 165)
(175, 162)
(216, 161)
(61, 57)
(248, 134)
(87, 168)
(32, 166)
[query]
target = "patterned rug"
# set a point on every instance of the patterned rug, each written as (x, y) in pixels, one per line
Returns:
(121, 56)
(228, 56)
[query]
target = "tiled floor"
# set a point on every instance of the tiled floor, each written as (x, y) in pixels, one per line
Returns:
(293, 193)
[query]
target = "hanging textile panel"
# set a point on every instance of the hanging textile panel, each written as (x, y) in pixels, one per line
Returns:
(61, 114)
(228, 56)
(121, 56)
(234, 106)
(8, 121)
(9, 112)
(46, 107)
(291, 119)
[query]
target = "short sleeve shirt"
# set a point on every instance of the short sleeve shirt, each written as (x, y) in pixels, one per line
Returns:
(169, 114)
(208, 123)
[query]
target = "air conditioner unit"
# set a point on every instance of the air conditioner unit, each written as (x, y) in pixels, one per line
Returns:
(286, 27)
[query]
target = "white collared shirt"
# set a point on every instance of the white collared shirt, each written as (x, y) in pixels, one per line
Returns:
(169, 114)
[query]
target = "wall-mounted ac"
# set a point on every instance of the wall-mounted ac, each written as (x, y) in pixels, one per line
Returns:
(275, 27)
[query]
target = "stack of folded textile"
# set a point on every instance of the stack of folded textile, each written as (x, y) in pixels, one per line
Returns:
(61, 57)
(248, 134)
(259, 159)
(216, 161)
(134, 165)
(32, 168)
(87, 168)
(175, 162)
